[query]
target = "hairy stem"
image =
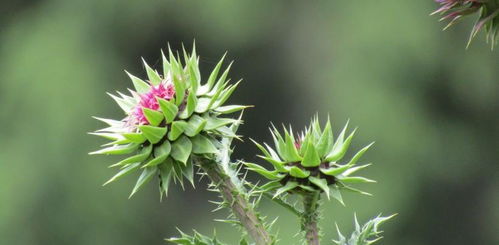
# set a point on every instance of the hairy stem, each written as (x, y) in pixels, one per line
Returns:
(311, 217)
(238, 203)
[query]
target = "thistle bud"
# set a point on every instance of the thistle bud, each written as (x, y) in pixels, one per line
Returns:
(488, 10)
(168, 119)
(310, 162)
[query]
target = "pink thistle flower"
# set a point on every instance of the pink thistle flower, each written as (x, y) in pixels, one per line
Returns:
(164, 90)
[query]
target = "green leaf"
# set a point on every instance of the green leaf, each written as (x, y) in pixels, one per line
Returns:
(125, 105)
(153, 76)
(202, 145)
(271, 175)
(293, 155)
(289, 186)
(176, 70)
(298, 172)
(339, 150)
(226, 93)
(359, 154)
(111, 122)
(279, 143)
(109, 136)
(278, 165)
(215, 96)
(212, 78)
(334, 171)
(161, 153)
(195, 125)
(177, 170)
(155, 161)
(166, 65)
(127, 170)
(336, 194)
(143, 179)
(139, 85)
(117, 149)
(215, 122)
(142, 156)
(202, 105)
(194, 80)
(355, 169)
(168, 108)
(311, 158)
(135, 137)
(179, 90)
(191, 105)
(188, 172)
(177, 128)
(308, 188)
(325, 141)
(351, 189)
(356, 179)
(153, 117)
(152, 133)
(181, 149)
(230, 108)
(226, 132)
(165, 176)
(274, 155)
(368, 234)
(321, 183)
(272, 185)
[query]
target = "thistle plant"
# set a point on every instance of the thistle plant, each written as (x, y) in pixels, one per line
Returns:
(487, 11)
(176, 121)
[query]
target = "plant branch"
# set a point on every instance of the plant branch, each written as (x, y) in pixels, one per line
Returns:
(309, 222)
(237, 202)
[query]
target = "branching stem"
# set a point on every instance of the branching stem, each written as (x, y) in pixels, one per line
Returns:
(310, 217)
(237, 202)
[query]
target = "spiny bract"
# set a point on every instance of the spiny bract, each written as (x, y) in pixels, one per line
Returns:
(367, 234)
(169, 118)
(310, 162)
(488, 19)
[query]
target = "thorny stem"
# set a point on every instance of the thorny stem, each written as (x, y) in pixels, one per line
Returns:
(238, 204)
(311, 217)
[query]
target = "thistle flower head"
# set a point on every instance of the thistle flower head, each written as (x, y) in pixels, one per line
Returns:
(454, 10)
(310, 161)
(168, 119)
(165, 90)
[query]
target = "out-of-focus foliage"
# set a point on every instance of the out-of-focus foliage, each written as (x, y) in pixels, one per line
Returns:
(431, 106)
(366, 234)
(487, 12)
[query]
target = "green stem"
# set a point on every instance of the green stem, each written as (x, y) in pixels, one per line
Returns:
(309, 222)
(239, 205)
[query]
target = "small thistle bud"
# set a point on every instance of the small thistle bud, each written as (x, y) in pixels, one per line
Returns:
(310, 162)
(454, 10)
(169, 118)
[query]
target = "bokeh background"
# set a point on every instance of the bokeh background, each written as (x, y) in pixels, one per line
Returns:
(431, 106)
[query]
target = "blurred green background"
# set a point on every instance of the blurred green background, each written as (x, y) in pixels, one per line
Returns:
(431, 106)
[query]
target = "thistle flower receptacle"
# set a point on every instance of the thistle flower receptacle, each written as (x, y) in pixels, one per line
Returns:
(488, 11)
(169, 119)
(310, 162)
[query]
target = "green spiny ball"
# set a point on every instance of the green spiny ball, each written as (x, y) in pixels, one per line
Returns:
(310, 162)
(168, 119)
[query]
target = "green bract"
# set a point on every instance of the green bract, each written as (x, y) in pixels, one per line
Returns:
(310, 162)
(366, 234)
(169, 119)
